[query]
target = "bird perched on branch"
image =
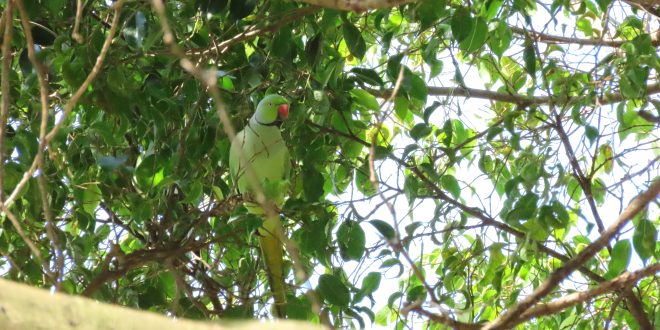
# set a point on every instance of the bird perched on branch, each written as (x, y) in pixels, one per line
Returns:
(259, 164)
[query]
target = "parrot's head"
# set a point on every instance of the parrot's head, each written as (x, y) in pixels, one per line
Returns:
(272, 110)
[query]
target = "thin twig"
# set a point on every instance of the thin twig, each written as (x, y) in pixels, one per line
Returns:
(626, 279)
(444, 319)
(6, 96)
(41, 179)
(554, 39)
(75, 35)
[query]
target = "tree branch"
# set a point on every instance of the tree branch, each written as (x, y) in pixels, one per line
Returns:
(254, 31)
(446, 320)
(622, 281)
(519, 99)
(510, 318)
(125, 263)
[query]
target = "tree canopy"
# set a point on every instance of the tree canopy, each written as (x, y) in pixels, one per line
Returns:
(455, 164)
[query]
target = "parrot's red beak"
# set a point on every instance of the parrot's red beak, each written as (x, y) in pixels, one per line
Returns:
(283, 111)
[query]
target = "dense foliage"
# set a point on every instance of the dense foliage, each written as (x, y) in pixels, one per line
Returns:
(454, 162)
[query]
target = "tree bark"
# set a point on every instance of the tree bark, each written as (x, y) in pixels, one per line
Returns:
(24, 308)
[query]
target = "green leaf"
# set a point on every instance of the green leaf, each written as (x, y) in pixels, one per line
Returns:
(605, 158)
(584, 25)
(462, 24)
(371, 282)
(193, 193)
(530, 173)
(383, 228)
(450, 184)
(429, 11)
(365, 99)
(410, 188)
(414, 86)
(149, 173)
(54, 6)
(354, 40)
(351, 240)
(486, 164)
(394, 67)
(619, 259)
(333, 290)
(493, 132)
(604, 4)
(416, 293)
(477, 36)
(644, 239)
(574, 189)
(91, 199)
(525, 208)
(448, 130)
(598, 190)
(281, 45)
(501, 38)
(491, 8)
(420, 131)
(591, 133)
(241, 9)
(561, 213)
(368, 76)
(547, 217)
(529, 56)
(312, 183)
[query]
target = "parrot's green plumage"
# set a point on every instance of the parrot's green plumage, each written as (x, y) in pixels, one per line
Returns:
(259, 147)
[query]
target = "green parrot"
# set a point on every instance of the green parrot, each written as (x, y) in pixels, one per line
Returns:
(258, 153)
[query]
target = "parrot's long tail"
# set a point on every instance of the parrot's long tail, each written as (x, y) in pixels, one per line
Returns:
(271, 247)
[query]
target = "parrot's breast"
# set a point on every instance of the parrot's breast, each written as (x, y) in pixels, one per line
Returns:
(265, 152)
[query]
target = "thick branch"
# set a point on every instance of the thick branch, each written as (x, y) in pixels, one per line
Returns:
(553, 39)
(139, 258)
(624, 280)
(510, 318)
(442, 319)
(518, 99)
